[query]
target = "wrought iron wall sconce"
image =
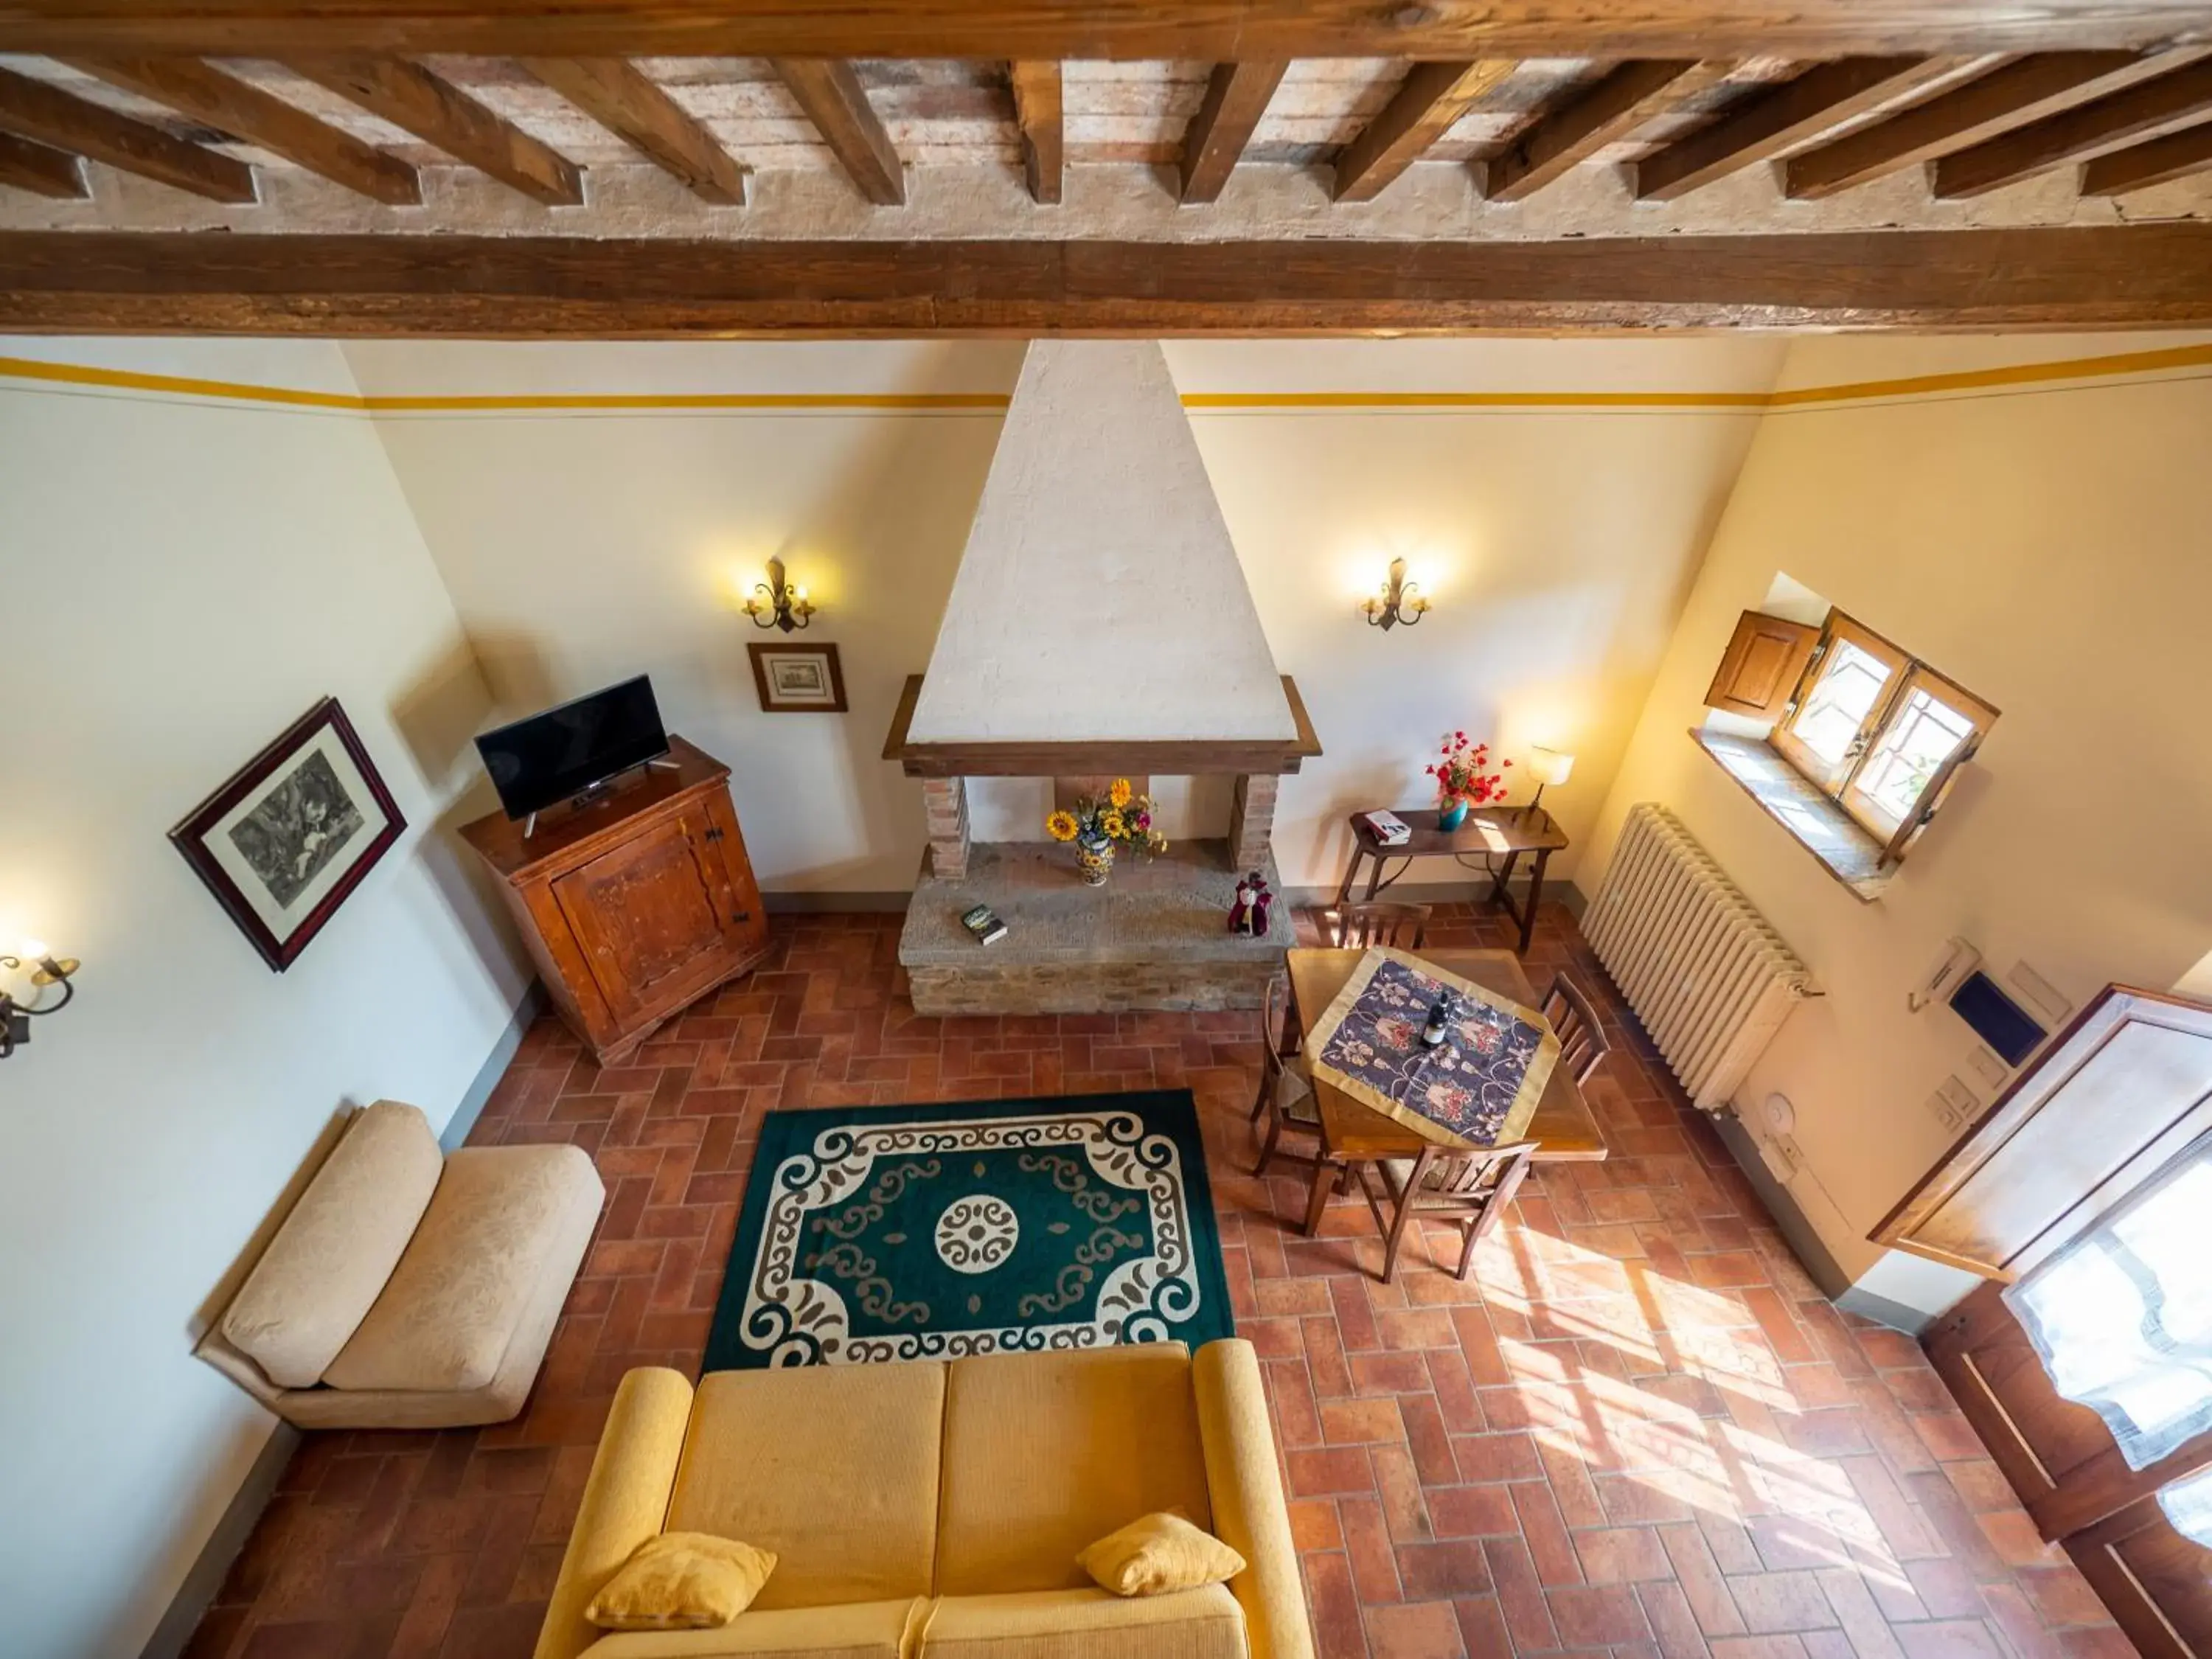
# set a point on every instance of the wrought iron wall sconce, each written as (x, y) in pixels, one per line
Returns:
(1399, 601)
(778, 604)
(49, 970)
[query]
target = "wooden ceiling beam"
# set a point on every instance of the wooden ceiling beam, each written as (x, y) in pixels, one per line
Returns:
(1610, 109)
(1124, 29)
(93, 282)
(404, 93)
(1236, 96)
(45, 115)
(617, 94)
(2009, 96)
(1037, 114)
(2174, 156)
(209, 95)
(830, 93)
(1767, 123)
(2143, 111)
(42, 171)
(1431, 97)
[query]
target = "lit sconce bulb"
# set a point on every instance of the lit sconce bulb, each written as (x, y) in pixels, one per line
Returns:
(34, 950)
(1398, 601)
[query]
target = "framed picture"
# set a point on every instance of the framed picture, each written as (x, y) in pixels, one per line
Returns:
(283, 842)
(799, 679)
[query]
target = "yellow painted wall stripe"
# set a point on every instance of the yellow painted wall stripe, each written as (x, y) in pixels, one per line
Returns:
(2015, 374)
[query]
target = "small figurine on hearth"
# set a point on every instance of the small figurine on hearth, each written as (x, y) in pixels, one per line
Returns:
(1240, 914)
(1263, 901)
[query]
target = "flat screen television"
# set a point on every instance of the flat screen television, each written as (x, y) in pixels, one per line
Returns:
(564, 752)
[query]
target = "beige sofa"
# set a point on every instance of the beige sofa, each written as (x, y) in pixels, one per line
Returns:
(933, 1509)
(408, 1289)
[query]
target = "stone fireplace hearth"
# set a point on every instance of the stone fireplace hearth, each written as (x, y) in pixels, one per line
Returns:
(1155, 937)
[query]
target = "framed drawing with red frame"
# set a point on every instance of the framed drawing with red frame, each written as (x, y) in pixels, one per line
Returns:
(285, 842)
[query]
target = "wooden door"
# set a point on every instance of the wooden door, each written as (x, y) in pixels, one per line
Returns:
(2061, 1459)
(2110, 1103)
(658, 917)
(2157, 1583)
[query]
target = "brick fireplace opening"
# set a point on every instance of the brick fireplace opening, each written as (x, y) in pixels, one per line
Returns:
(1156, 936)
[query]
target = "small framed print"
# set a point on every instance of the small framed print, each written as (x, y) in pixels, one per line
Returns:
(283, 843)
(799, 679)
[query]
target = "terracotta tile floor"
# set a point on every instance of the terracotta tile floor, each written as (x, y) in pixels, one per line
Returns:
(1640, 1430)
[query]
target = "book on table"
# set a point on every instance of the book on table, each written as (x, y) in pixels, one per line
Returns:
(983, 921)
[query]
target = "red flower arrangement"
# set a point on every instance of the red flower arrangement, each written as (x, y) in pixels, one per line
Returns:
(1462, 774)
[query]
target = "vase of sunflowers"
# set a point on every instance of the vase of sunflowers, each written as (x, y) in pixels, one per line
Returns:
(1101, 824)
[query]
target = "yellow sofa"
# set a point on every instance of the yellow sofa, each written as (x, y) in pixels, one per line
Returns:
(933, 1509)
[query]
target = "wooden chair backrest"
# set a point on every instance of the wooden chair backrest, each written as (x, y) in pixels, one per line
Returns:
(1356, 927)
(1570, 1012)
(1487, 1178)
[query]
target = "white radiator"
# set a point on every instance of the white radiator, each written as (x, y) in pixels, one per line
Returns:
(1709, 978)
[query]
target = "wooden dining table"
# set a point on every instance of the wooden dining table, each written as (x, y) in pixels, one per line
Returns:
(1351, 1131)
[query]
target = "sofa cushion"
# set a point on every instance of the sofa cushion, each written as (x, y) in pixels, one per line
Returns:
(324, 1270)
(682, 1581)
(852, 1629)
(1047, 1453)
(488, 1239)
(832, 1468)
(1157, 1553)
(1087, 1623)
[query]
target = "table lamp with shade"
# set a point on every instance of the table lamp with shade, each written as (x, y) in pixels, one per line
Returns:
(1547, 766)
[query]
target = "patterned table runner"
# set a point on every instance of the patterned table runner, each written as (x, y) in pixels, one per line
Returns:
(1478, 1088)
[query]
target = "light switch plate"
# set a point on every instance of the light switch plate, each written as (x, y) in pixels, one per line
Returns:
(1986, 1066)
(2040, 993)
(1963, 1100)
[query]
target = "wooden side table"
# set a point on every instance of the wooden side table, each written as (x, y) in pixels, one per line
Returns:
(1496, 832)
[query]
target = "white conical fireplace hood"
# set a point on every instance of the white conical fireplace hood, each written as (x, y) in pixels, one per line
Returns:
(1099, 598)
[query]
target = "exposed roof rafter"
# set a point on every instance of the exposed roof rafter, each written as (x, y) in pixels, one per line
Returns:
(404, 93)
(46, 115)
(613, 92)
(208, 94)
(1429, 100)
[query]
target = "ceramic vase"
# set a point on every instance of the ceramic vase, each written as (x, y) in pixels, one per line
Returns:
(1096, 854)
(1451, 815)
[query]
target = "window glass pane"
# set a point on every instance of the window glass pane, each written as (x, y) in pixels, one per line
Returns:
(2188, 1505)
(1920, 737)
(2123, 1320)
(1849, 687)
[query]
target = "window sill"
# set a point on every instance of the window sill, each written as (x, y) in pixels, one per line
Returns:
(1811, 819)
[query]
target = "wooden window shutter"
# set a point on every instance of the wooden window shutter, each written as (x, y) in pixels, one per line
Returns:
(2111, 1103)
(1760, 669)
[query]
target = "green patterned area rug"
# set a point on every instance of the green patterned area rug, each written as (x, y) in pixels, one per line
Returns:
(912, 1232)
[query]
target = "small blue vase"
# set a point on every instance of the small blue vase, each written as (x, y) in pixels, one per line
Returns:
(1450, 817)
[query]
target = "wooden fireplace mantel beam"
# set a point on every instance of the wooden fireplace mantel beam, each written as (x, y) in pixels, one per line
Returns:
(1044, 759)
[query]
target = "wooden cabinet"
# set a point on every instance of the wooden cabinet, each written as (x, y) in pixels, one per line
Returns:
(635, 906)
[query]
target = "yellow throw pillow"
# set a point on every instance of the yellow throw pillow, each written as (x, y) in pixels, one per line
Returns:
(682, 1581)
(1159, 1553)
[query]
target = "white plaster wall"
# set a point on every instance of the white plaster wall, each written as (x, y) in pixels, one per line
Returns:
(1099, 595)
(581, 548)
(2049, 548)
(181, 581)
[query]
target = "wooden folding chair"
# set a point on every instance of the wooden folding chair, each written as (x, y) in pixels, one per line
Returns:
(1471, 1189)
(1570, 1013)
(1286, 1095)
(1356, 927)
